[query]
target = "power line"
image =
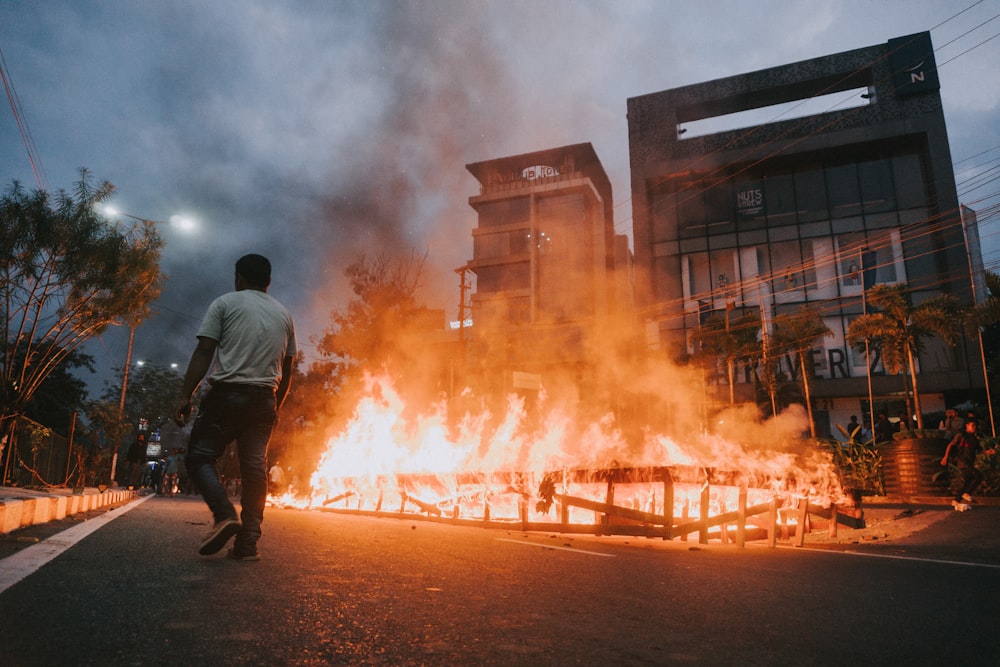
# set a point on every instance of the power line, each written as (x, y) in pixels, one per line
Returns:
(22, 124)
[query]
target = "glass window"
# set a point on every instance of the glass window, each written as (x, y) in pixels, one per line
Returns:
(824, 266)
(787, 277)
(661, 217)
(877, 192)
(664, 276)
(519, 242)
(565, 274)
(505, 212)
(690, 213)
(779, 199)
(908, 176)
(749, 193)
(503, 277)
(725, 275)
(810, 194)
(700, 282)
(849, 262)
(843, 190)
(888, 255)
(719, 208)
(919, 250)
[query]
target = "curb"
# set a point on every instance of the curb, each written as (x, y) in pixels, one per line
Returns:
(17, 513)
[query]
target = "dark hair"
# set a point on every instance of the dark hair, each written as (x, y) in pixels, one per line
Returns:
(255, 269)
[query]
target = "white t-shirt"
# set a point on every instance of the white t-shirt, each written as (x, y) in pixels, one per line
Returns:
(254, 333)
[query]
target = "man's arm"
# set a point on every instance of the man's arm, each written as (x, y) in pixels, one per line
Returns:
(286, 381)
(947, 450)
(201, 361)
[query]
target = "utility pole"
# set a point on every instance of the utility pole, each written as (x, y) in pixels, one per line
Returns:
(979, 331)
(121, 401)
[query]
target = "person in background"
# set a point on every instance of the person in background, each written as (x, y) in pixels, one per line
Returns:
(952, 424)
(170, 473)
(961, 452)
(276, 479)
(884, 429)
(904, 423)
(252, 338)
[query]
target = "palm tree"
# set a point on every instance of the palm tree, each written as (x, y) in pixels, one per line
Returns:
(797, 332)
(718, 338)
(988, 312)
(898, 330)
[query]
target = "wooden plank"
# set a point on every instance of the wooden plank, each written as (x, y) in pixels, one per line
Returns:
(772, 534)
(803, 526)
(741, 518)
(612, 510)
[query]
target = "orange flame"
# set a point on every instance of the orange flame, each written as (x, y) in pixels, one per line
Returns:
(385, 460)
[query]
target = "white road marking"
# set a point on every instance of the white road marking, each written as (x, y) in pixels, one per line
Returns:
(918, 559)
(549, 546)
(17, 566)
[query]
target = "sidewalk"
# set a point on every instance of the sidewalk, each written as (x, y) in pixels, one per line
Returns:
(20, 508)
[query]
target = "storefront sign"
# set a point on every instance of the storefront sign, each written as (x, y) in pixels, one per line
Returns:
(750, 200)
(538, 171)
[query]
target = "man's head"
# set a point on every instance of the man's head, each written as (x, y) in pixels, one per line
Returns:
(254, 271)
(971, 425)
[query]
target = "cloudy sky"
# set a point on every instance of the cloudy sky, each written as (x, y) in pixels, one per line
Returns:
(316, 131)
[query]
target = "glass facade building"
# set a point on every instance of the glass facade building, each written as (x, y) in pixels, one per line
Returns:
(774, 216)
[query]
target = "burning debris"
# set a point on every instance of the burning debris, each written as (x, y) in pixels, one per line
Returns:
(559, 477)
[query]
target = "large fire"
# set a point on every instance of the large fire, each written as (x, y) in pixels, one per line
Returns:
(552, 470)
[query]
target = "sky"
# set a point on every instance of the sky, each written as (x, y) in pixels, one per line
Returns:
(317, 132)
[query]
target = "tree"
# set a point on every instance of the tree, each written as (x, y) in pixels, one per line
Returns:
(797, 333)
(984, 324)
(370, 332)
(65, 276)
(898, 330)
(719, 339)
(61, 394)
(152, 394)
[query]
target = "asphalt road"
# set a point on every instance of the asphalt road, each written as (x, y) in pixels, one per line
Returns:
(337, 589)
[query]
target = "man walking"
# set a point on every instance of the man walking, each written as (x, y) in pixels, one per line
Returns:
(252, 337)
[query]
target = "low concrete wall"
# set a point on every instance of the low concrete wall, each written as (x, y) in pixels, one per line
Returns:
(25, 511)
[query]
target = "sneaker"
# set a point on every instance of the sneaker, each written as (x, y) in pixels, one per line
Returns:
(222, 532)
(244, 558)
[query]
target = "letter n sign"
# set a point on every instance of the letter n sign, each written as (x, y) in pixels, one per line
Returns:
(913, 67)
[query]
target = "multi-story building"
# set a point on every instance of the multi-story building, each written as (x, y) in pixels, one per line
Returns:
(544, 253)
(770, 216)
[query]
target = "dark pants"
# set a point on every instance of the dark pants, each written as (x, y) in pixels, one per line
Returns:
(971, 478)
(246, 414)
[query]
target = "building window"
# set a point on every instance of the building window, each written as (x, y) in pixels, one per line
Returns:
(787, 274)
(779, 199)
(719, 208)
(505, 212)
(911, 191)
(877, 192)
(810, 194)
(690, 213)
(565, 248)
(843, 190)
(503, 277)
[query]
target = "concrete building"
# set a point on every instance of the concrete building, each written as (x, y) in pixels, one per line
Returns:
(544, 256)
(770, 215)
